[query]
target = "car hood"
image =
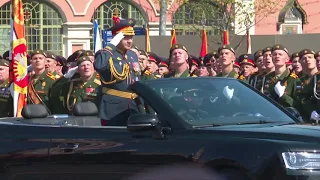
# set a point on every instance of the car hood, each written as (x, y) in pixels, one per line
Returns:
(302, 133)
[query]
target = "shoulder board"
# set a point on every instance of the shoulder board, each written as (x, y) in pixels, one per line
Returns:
(97, 81)
(98, 75)
(51, 76)
(57, 76)
(236, 75)
(242, 77)
(158, 76)
(147, 72)
(293, 75)
(194, 75)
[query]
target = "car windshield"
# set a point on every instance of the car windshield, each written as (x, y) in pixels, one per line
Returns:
(204, 101)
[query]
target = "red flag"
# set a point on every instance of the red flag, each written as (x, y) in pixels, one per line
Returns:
(225, 37)
(204, 46)
(173, 37)
(248, 42)
(19, 57)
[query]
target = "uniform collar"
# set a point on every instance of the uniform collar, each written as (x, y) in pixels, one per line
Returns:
(122, 52)
(4, 83)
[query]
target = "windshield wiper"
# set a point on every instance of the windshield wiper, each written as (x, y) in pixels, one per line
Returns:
(207, 125)
(255, 122)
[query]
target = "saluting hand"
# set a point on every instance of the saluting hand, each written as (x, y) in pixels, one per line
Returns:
(117, 38)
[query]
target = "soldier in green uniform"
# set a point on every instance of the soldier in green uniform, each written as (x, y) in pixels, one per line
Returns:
(152, 67)
(88, 53)
(163, 64)
(41, 81)
(227, 57)
(77, 89)
(258, 61)
(283, 84)
(6, 101)
(296, 65)
(204, 66)
(265, 79)
(306, 97)
(194, 63)
(51, 64)
(179, 64)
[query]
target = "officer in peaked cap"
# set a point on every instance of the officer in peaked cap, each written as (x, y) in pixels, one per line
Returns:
(163, 64)
(204, 66)
(152, 67)
(246, 67)
(118, 67)
(194, 63)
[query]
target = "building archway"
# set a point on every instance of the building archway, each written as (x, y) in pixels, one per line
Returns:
(104, 13)
(43, 25)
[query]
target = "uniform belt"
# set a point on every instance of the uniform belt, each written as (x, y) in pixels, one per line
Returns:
(118, 93)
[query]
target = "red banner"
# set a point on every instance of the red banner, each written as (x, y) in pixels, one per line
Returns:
(19, 57)
(225, 37)
(173, 37)
(204, 44)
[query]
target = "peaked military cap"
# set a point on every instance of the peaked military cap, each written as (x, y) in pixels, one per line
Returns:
(50, 54)
(226, 47)
(280, 47)
(258, 54)
(6, 55)
(152, 57)
(295, 55)
(163, 62)
(266, 49)
(61, 61)
(75, 55)
(306, 51)
(4, 62)
(142, 52)
(317, 54)
(207, 59)
(246, 59)
(236, 64)
(178, 46)
(37, 51)
(122, 25)
(193, 60)
(87, 53)
(82, 59)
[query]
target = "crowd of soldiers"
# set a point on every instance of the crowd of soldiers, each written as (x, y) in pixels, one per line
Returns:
(103, 77)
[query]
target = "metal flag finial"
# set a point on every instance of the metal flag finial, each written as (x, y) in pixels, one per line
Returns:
(203, 19)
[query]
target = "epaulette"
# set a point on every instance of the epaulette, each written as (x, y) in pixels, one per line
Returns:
(158, 76)
(293, 75)
(241, 77)
(194, 75)
(51, 76)
(236, 75)
(97, 81)
(57, 76)
(146, 72)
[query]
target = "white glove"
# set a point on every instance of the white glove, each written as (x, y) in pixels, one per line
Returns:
(279, 89)
(71, 72)
(315, 116)
(228, 93)
(117, 38)
(29, 68)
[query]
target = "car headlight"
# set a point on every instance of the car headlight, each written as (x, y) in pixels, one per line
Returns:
(301, 160)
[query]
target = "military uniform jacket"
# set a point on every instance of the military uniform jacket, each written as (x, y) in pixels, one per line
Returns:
(185, 74)
(290, 84)
(263, 82)
(75, 91)
(117, 69)
(306, 97)
(232, 74)
(6, 100)
(38, 91)
(147, 75)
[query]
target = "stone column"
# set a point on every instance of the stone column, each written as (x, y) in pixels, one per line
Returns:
(77, 36)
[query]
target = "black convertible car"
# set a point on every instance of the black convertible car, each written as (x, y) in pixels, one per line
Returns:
(221, 124)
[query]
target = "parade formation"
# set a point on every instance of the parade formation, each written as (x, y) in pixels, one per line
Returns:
(58, 83)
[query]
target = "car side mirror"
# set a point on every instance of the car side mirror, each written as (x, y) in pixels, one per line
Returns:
(142, 122)
(293, 111)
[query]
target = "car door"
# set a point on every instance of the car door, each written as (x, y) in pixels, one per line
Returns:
(112, 152)
(23, 151)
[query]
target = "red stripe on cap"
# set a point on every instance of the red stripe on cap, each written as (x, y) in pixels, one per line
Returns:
(151, 58)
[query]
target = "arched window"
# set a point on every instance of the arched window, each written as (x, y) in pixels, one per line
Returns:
(187, 20)
(125, 10)
(291, 19)
(43, 27)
